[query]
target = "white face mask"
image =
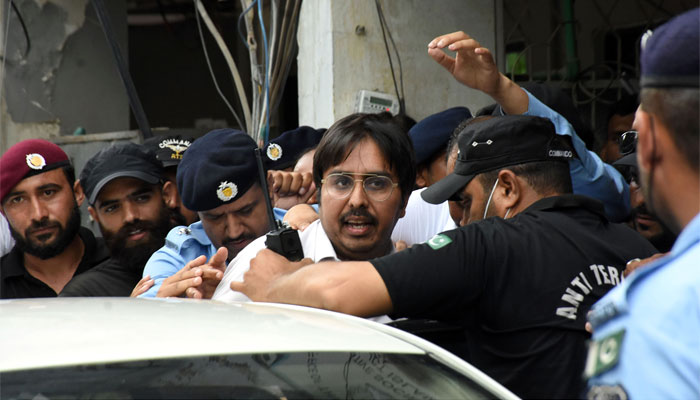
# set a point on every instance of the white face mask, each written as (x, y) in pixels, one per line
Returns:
(488, 202)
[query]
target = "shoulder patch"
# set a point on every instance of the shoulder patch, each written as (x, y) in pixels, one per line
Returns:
(603, 354)
(438, 241)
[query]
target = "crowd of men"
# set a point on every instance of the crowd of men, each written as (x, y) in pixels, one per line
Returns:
(505, 224)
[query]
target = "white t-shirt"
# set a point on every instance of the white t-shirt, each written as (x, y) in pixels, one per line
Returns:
(316, 246)
(422, 220)
(6, 241)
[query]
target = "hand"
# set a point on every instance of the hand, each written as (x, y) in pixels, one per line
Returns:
(265, 268)
(400, 245)
(472, 64)
(288, 189)
(198, 279)
(634, 264)
(142, 286)
(300, 216)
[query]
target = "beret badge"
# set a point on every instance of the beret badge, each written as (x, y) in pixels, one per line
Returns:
(274, 151)
(227, 191)
(35, 161)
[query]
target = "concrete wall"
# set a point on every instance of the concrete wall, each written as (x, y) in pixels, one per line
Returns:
(335, 62)
(68, 78)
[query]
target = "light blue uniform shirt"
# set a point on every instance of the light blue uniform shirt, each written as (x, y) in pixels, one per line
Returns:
(182, 245)
(590, 176)
(647, 330)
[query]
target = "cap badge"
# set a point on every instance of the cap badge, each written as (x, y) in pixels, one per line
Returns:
(274, 151)
(36, 161)
(488, 143)
(176, 146)
(227, 191)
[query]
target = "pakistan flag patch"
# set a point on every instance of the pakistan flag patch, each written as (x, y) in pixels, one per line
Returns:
(438, 241)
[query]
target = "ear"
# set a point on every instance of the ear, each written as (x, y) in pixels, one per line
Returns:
(649, 151)
(509, 191)
(78, 193)
(93, 214)
(170, 196)
(421, 179)
(402, 211)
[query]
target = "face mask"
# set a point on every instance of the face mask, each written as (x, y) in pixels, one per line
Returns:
(488, 202)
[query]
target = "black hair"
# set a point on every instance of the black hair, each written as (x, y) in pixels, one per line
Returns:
(677, 108)
(69, 171)
(545, 177)
(462, 126)
(342, 137)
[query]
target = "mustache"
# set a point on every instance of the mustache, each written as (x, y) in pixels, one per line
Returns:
(642, 210)
(243, 236)
(359, 212)
(42, 224)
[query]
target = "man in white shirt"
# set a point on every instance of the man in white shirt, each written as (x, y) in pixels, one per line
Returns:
(364, 168)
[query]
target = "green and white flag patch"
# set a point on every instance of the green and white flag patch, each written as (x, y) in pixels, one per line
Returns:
(604, 354)
(438, 241)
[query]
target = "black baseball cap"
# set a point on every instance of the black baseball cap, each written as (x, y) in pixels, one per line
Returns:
(119, 161)
(169, 149)
(496, 143)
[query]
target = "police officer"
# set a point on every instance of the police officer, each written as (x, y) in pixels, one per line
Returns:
(217, 178)
(646, 330)
(522, 281)
(40, 199)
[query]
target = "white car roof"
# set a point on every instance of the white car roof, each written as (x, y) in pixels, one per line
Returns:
(54, 332)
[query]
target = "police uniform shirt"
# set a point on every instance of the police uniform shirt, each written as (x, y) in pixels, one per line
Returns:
(17, 282)
(523, 286)
(647, 331)
(109, 279)
(182, 245)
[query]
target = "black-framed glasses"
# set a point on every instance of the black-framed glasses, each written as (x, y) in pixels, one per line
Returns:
(341, 184)
(628, 142)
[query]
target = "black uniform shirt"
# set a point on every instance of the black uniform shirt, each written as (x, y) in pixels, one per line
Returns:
(109, 279)
(17, 282)
(523, 286)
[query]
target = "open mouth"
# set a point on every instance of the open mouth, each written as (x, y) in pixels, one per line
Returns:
(137, 234)
(357, 227)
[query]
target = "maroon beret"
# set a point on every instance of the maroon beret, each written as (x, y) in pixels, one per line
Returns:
(28, 158)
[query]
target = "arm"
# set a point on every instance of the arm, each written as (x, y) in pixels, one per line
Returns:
(288, 189)
(348, 287)
(162, 264)
(474, 67)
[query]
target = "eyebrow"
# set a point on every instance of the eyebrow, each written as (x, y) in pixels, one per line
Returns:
(141, 190)
(380, 173)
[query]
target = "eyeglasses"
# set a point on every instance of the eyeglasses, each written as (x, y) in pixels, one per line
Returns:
(628, 142)
(377, 187)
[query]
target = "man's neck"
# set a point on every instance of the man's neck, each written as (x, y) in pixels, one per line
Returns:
(58, 270)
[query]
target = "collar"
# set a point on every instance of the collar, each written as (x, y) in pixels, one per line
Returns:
(322, 248)
(197, 231)
(689, 236)
(568, 201)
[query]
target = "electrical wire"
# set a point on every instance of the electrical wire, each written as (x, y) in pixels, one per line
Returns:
(266, 101)
(2, 70)
(238, 24)
(211, 70)
(398, 57)
(24, 28)
(385, 29)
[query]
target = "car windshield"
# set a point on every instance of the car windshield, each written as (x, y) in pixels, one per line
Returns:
(257, 376)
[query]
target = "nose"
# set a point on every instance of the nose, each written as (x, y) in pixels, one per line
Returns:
(39, 210)
(131, 211)
(358, 197)
(636, 196)
(233, 228)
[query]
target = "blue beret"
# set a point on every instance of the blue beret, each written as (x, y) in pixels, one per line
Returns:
(283, 151)
(217, 169)
(432, 133)
(670, 54)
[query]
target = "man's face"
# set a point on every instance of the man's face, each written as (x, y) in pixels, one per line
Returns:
(133, 219)
(472, 198)
(617, 125)
(433, 171)
(43, 214)
(180, 215)
(235, 225)
(359, 227)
